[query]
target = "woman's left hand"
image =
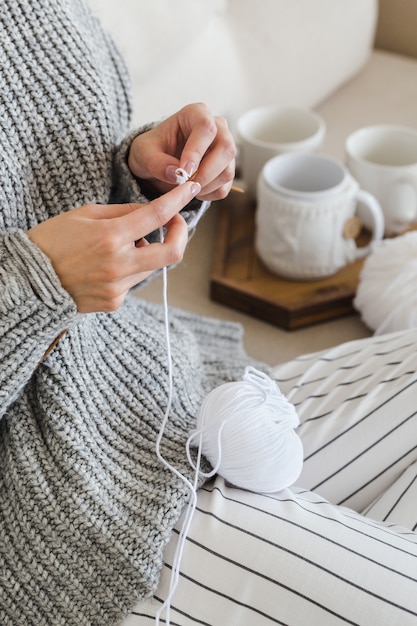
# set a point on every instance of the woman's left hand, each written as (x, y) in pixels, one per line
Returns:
(192, 139)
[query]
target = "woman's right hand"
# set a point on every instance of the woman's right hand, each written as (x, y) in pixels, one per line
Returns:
(100, 252)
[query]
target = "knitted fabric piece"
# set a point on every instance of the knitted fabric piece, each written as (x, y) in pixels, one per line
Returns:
(85, 506)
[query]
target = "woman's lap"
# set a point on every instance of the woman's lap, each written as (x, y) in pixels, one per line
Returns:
(298, 557)
(357, 405)
(291, 558)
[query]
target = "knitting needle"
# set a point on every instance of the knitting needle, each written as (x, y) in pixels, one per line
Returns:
(233, 188)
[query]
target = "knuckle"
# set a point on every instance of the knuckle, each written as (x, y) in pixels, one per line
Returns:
(161, 211)
(201, 106)
(110, 240)
(175, 254)
(175, 257)
(229, 173)
(109, 248)
(222, 192)
(229, 145)
(230, 149)
(206, 119)
(110, 274)
(210, 126)
(111, 298)
(225, 179)
(222, 123)
(109, 306)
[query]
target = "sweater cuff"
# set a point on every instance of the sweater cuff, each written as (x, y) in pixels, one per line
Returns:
(34, 274)
(126, 187)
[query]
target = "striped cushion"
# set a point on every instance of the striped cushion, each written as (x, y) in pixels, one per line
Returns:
(316, 554)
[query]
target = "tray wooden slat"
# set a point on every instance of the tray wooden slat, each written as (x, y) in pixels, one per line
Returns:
(239, 279)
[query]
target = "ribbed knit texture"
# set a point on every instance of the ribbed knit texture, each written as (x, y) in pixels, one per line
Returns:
(86, 508)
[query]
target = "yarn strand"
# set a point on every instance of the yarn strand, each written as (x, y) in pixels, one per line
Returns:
(182, 177)
(193, 499)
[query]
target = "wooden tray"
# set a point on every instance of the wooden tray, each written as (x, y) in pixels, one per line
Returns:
(239, 280)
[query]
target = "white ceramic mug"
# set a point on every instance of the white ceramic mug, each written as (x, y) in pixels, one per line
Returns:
(383, 159)
(305, 217)
(267, 131)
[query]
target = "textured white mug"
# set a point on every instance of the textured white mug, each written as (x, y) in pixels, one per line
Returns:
(383, 159)
(267, 131)
(305, 217)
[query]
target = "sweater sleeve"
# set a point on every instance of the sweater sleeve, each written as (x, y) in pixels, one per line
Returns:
(34, 309)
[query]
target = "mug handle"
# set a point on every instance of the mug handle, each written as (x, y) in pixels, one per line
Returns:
(377, 218)
(402, 193)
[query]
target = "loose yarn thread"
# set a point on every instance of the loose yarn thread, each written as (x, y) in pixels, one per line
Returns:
(246, 429)
(191, 486)
(182, 176)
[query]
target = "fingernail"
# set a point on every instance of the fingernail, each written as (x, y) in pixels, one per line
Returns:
(190, 168)
(170, 173)
(195, 189)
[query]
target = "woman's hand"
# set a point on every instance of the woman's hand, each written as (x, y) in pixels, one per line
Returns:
(99, 252)
(192, 139)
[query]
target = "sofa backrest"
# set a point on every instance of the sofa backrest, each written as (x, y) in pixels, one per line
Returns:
(235, 54)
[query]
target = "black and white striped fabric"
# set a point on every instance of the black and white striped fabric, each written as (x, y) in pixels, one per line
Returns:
(341, 546)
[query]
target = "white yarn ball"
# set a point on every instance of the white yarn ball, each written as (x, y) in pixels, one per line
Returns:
(246, 431)
(387, 296)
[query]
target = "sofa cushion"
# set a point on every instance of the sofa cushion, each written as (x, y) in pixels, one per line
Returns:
(235, 54)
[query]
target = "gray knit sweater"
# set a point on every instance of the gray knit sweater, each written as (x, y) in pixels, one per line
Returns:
(85, 506)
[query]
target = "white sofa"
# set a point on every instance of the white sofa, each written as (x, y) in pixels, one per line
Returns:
(234, 54)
